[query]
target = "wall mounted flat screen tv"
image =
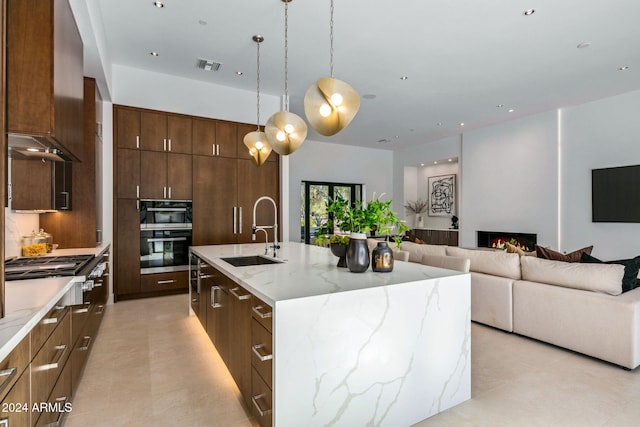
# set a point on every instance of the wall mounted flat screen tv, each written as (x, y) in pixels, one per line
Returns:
(615, 194)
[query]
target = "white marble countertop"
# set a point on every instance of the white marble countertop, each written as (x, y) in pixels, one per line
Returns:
(27, 301)
(307, 271)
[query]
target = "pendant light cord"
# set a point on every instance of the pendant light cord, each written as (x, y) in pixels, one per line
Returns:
(286, 56)
(331, 42)
(258, 88)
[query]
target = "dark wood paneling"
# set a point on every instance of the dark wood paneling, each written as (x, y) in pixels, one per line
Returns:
(204, 137)
(179, 177)
(30, 184)
(255, 182)
(127, 127)
(214, 198)
(153, 174)
(127, 253)
(180, 132)
(226, 138)
(240, 338)
(153, 131)
(3, 144)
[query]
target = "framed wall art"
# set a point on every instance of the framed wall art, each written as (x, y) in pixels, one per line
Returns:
(442, 195)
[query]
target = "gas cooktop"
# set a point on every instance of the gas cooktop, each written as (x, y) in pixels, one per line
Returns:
(45, 266)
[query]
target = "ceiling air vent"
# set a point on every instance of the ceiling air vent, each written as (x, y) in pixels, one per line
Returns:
(208, 64)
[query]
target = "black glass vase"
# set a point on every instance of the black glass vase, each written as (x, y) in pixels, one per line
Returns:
(358, 253)
(382, 258)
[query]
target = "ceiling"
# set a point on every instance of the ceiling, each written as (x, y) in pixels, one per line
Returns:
(465, 61)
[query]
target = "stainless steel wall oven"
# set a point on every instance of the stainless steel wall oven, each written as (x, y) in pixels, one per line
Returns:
(165, 235)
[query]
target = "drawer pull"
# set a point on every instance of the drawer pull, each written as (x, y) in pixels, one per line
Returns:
(255, 400)
(58, 310)
(8, 373)
(206, 276)
(214, 303)
(258, 310)
(61, 350)
(57, 422)
(166, 282)
(81, 310)
(263, 357)
(237, 295)
(87, 343)
(194, 300)
(100, 310)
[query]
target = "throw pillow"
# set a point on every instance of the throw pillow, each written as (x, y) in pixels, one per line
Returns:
(513, 249)
(631, 268)
(574, 256)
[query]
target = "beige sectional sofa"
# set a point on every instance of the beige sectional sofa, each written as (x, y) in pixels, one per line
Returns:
(572, 305)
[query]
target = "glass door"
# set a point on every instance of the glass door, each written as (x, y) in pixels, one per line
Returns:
(314, 197)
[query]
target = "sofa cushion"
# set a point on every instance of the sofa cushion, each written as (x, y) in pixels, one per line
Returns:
(449, 262)
(416, 250)
(605, 278)
(574, 256)
(498, 263)
(631, 268)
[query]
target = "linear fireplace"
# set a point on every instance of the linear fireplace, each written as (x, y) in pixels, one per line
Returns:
(497, 239)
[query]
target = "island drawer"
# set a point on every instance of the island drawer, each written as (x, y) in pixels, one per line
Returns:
(164, 281)
(13, 365)
(262, 400)
(262, 312)
(47, 325)
(261, 351)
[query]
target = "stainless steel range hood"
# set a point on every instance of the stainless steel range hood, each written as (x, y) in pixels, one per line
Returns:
(26, 147)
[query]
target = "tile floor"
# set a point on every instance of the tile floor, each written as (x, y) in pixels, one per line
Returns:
(152, 365)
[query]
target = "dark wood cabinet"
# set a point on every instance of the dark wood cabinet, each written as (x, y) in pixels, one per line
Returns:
(204, 137)
(226, 138)
(165, 175)
(215, 207)
(161, 282)
(240, 339)
(217, 310)
(436, 237)
(128, 173)
(127, 128)
(45, 73)
(127, 253)
(164, 132)
(31, 184)
(18, 395)
(78, 228)
(253, 183)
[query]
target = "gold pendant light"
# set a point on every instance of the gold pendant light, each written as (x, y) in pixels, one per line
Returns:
(285, 131)
(330, 104)
(256, 141)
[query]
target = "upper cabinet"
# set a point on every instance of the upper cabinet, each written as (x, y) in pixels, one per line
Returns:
(45, 73)
(153, 131)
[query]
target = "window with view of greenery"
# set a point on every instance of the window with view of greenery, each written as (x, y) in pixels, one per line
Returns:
(314, 197)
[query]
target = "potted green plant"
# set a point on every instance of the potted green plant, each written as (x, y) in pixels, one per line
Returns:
(358, 218)
(339, 244)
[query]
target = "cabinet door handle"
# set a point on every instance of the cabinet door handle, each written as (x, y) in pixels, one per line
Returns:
(217, 149)
(66, 200)
(166, 282)
(215, 304)
(240, 219)
(137, 191)
(61, 350)
(137, 141)
(169, 192)
(258, 310)
(164, 147)
(206, 276)
(235, 220)
(261, 411)
(169, 144)
(8, 374)
(59, 309)
(263, 357)
(56, 423)
(164, 192)
(86, 344)
(138, 205)
(237, 295)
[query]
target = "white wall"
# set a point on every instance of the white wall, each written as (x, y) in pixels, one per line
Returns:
(510, 179)
(423, 191)
(599, 134)
(147, 89)
(321, 161)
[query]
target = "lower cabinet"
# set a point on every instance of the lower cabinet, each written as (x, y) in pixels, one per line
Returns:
(436, 237)
(39, 377)
(239, 326)
(159, 282)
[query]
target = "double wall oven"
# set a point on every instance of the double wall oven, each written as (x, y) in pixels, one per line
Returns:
(165, 235)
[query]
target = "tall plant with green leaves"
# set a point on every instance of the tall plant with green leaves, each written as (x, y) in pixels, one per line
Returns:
(358, 218)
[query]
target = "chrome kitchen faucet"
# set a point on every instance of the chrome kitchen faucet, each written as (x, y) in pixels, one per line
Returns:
(255, 228)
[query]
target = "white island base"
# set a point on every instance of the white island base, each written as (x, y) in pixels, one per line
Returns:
(391, 355)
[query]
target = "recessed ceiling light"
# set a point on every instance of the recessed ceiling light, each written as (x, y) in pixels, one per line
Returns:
(499, 105)
(154, 54)
(583, 45)
(421, 164)
(511, 110)
(239, 73)
(158, 4)
(369, 96)
(449, 160)
(623, 68)
(435, 163)
(397, 136)
(529, 12)
(461, 123)
(404, 78)
(439, 124)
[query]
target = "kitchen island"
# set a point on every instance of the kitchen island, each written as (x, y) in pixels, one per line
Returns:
(358, 348)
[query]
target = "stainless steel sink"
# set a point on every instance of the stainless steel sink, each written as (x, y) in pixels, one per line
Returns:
(244, 261)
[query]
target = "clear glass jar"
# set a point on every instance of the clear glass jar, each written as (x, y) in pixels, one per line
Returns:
(34, 245)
